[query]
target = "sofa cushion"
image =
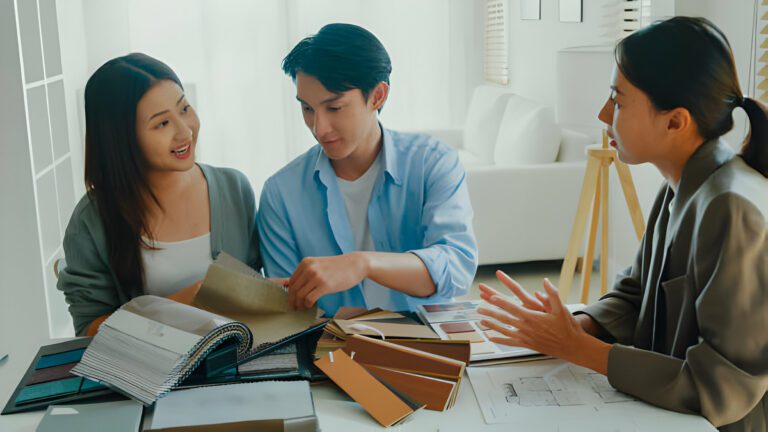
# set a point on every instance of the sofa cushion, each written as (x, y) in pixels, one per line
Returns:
(482, 123)
(528, 134)
(469, 159)
(572, 145)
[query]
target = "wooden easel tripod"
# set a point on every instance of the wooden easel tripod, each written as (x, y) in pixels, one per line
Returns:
(594, 191)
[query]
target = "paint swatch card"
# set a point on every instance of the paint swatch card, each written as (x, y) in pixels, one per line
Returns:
(49, 379)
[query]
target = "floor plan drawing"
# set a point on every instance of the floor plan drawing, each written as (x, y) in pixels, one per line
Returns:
(559, 392)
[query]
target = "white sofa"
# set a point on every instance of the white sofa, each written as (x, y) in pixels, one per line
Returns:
(524, 176)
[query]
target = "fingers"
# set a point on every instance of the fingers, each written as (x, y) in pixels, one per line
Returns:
(544, 301)
(528, 301)
(294, 293)
(303, 271)
(494, 325)
(553, 296)
(280, 281)
(299, 281)
(514, 342)
(512, 308)
(312, 297)
(500, 316)
(513, 337)
(485, 289)
(486, 293)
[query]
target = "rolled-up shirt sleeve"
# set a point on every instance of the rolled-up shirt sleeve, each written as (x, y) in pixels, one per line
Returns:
(449, 249)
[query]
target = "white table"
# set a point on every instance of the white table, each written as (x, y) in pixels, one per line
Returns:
(337, 412)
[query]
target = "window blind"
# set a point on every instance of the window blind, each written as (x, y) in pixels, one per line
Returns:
(762, 54)
(634, 14)
(496, 59)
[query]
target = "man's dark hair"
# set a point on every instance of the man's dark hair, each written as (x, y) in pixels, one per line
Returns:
(342, 57)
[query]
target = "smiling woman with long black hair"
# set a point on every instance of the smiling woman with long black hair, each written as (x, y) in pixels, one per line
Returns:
(152, 219)
(686, 326)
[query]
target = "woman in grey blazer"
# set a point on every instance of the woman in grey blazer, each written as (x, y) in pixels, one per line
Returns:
(151, 219)
(686, 326)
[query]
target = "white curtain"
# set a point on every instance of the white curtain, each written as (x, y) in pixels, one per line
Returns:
(229, 53)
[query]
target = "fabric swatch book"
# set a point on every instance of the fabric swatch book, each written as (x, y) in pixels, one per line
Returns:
(392, 381)
(236, 291)
(151, 344)
(48, 380)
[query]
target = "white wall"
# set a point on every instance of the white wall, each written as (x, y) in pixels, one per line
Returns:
(532, 52)
(22, 297)
(734, 18)
(533, 44)
(433, 47)
(232, 53)
(74, 59)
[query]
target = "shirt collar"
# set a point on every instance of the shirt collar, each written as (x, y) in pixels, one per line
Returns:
(390, 158)
(324, 169)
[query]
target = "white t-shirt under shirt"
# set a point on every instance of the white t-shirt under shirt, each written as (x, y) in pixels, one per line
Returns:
(174, 266)
(357, 196)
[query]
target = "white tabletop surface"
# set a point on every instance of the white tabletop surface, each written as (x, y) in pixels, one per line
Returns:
(337, 412)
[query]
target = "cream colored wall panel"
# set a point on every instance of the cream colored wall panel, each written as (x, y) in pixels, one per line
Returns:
(57, 110)
(50, 35)
(40, 134)
(66, 192)
(31, 46)
(48, 214)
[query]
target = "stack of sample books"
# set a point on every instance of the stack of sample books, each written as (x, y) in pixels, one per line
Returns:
(392, 381)
(262, 406)
(151, 344)
(115, 416)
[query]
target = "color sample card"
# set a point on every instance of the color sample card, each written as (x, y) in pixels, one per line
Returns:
(482, 348)
(493, 333)
(455, 306)
(53, 373)
(471, 336)
(457, 327)
(89, 386)
(52, 360)
(49, 389)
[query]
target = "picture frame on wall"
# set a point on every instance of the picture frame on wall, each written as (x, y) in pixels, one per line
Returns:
(571, 11)
(530, 9)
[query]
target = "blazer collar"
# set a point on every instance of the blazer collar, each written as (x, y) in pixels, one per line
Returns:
(703, 162)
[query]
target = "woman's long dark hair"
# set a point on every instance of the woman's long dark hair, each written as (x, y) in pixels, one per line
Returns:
(687, 62)
(115, 167)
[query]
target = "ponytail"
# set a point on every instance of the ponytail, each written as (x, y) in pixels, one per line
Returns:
(755, 149)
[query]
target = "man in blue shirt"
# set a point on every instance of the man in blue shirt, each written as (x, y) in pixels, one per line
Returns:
(368, 217)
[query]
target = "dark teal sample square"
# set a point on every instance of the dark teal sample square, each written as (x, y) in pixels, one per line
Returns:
(89, 386)
(60, 358)
(49, 390)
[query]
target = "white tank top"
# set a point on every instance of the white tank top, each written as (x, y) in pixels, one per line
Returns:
(174, 266)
